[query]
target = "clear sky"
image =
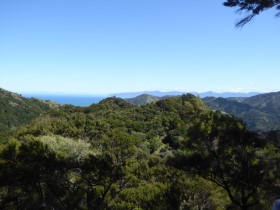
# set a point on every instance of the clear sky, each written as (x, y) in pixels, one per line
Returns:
(109, 46)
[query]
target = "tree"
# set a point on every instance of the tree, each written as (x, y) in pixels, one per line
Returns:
(34, 175)
(252, 7)
(220, 149)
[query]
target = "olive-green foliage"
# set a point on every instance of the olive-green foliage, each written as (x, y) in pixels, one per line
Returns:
(16, 111)
(68, 148)
(142, 99)
(113, 155)
(36, 177)
(219, 148)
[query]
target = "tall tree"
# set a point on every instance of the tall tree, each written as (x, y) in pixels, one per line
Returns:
(220, 149)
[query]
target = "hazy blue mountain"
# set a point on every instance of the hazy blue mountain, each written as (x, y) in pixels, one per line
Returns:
(152, 93)
(178, 93)
(226, 94)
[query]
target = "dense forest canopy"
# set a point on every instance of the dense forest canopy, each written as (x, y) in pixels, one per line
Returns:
(16, 110)
(259, 112)
(172, 154)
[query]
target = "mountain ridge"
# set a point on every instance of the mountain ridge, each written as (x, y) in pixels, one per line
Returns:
(260, 112)
(178, 93)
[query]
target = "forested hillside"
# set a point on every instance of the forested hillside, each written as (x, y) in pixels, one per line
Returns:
(16, 110)
(172, 154)
(260, 113)
(142, 99)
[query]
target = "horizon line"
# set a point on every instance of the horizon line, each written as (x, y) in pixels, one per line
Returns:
(130, 92)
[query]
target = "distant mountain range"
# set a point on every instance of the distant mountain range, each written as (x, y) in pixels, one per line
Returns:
(178, 93)
(260, 112)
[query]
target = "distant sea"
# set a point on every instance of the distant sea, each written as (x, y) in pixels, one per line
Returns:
(76, 100)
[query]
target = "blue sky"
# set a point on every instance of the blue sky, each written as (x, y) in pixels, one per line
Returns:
(110, 46)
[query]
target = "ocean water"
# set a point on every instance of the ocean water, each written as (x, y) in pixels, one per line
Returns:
(76, 100)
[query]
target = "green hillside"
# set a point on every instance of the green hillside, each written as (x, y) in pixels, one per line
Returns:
(16, 110)
(227, 105)
(142, 99)
(172, 154)
(261, 112)
(268, 103)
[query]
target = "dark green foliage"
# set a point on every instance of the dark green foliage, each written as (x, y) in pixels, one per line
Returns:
(142, 99)
(260, 112)
(113, 155)
(252, 8)
(220, 149)
(16, 110)
(35, 177)
(273, 136)
(115, 103)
